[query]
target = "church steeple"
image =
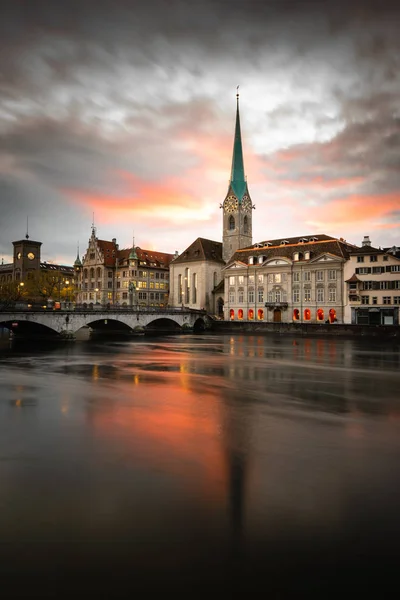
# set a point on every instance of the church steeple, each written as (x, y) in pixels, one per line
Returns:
(237, 206)
(78, 262)
(238, 181)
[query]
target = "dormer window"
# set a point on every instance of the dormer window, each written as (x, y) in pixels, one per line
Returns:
(251, 260)
(284, 242)
(303, 240)
(260, 260)
(307, 255)
(313, 239)
(296, 256)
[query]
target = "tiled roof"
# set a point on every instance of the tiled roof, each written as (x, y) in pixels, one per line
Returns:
(109, 250)
(393, 250)
(323, 245)
(353, 279)
(150, 257)
(45, 266)
(6, 267)
(201, 249)
(296, 240)
(219, 289)
(367, 250)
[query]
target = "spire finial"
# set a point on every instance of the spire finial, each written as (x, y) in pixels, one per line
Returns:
(237, 93)
(93, 227)
(27, 228)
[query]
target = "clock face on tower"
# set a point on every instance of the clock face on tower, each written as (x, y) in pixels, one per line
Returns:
(246, 203)
(19, 255)
(31, 256)
(231, 204)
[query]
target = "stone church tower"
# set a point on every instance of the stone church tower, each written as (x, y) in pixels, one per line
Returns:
(237, 206)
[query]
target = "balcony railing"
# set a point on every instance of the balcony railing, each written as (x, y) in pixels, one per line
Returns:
(273, 305)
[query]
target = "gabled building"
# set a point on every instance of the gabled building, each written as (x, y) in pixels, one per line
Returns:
(195, 274)
(296, 279)
(372, 277)
(123, 277)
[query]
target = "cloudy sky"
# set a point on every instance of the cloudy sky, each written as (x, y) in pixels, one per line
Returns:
(126, 109)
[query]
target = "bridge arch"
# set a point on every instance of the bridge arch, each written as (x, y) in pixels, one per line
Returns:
(29, 328)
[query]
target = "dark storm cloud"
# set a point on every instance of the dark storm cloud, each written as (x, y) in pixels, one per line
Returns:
(88, 88)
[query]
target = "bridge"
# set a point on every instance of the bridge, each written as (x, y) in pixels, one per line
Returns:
(66, 323)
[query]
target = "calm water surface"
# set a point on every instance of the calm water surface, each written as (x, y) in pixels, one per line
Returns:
(200, 463)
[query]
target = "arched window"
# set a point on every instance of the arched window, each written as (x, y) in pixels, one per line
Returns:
(296, 315)
(240, 313)
(260, 314)
(98, 272)
(245, 225)
(231, 223)
(250, 314)
(92, 273)
(320, 314)
(307, 314)
(85, 273)
(332, 315)
(232, 315)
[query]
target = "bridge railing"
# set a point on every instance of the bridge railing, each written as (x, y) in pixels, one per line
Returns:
(80, 308)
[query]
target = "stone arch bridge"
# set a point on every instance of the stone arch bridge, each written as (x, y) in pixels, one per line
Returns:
(66, 323)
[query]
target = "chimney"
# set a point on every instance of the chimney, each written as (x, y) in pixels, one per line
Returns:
(366, 241)
(114, 240)
(176, 254)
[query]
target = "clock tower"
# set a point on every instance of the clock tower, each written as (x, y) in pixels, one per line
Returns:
(237, 206)
(26, 258)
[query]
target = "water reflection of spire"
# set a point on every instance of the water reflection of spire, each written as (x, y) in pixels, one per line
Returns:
(235, 436)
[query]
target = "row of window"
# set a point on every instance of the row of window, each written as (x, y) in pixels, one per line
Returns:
(158, 285)
(124, 296)
(372, 258)
(90, 273)
(385, 300)
(377, 270)
(381, 285)
(282, 277)
(279, 296)
(296, 316)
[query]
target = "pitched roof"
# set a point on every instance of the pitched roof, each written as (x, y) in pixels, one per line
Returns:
(393, 250)
(150, 257)
(367, 250)
(353, 279)
(109, 250)
(201, 249)
(219, 289)
(323, 245)
(45, 266)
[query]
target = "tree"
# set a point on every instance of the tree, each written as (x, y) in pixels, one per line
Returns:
(50, 284)
(10, 293)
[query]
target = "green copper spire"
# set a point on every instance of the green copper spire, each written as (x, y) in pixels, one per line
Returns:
(77, 262)
(238, 182)
(132, 254)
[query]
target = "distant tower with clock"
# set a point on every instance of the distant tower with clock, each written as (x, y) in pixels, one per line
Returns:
(26, 258)
(237, 206)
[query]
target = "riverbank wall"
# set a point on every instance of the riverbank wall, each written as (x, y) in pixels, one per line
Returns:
(306, 329)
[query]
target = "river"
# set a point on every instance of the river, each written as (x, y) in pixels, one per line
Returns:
(190, 463)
